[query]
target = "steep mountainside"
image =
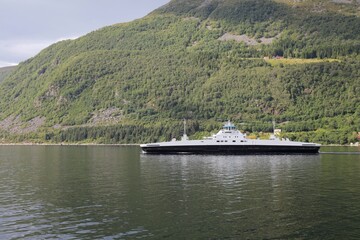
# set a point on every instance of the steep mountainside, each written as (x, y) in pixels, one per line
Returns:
(206, 60)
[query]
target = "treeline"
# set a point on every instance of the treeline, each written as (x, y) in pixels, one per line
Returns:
(323, 136)
(325, 131)
(144, 133)
(123, 133)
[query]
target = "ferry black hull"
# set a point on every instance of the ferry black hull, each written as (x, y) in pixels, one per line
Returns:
(231, 149)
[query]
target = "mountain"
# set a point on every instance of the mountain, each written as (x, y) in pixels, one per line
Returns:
(250, 61)
(5, 71)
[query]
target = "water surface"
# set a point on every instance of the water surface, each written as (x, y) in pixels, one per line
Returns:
(112, 192)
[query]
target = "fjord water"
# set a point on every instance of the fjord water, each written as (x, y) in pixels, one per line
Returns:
(112, 192)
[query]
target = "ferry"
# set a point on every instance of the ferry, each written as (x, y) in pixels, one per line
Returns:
(229, 140)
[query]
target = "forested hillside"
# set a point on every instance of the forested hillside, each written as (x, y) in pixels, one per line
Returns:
(250, 61)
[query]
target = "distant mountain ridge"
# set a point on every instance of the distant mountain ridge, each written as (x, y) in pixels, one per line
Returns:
(5, 71)
(205, 60)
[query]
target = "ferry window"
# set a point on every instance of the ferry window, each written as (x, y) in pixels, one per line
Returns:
(217, 141)
(234, 141)
(225, 140)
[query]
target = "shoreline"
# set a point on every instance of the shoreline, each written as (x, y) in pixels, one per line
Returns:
(118, 144)
(65, 144)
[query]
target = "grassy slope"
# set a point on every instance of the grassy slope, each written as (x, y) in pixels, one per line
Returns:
(171, 65)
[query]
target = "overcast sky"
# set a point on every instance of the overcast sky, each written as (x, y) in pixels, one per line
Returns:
(28, 26)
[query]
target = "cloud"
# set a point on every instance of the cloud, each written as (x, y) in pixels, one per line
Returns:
(27, 48)
(6, 64)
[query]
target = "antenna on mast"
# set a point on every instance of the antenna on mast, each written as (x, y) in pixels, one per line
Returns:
(184, 126)
(273, 122)
(184, 137)
(273, 135)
